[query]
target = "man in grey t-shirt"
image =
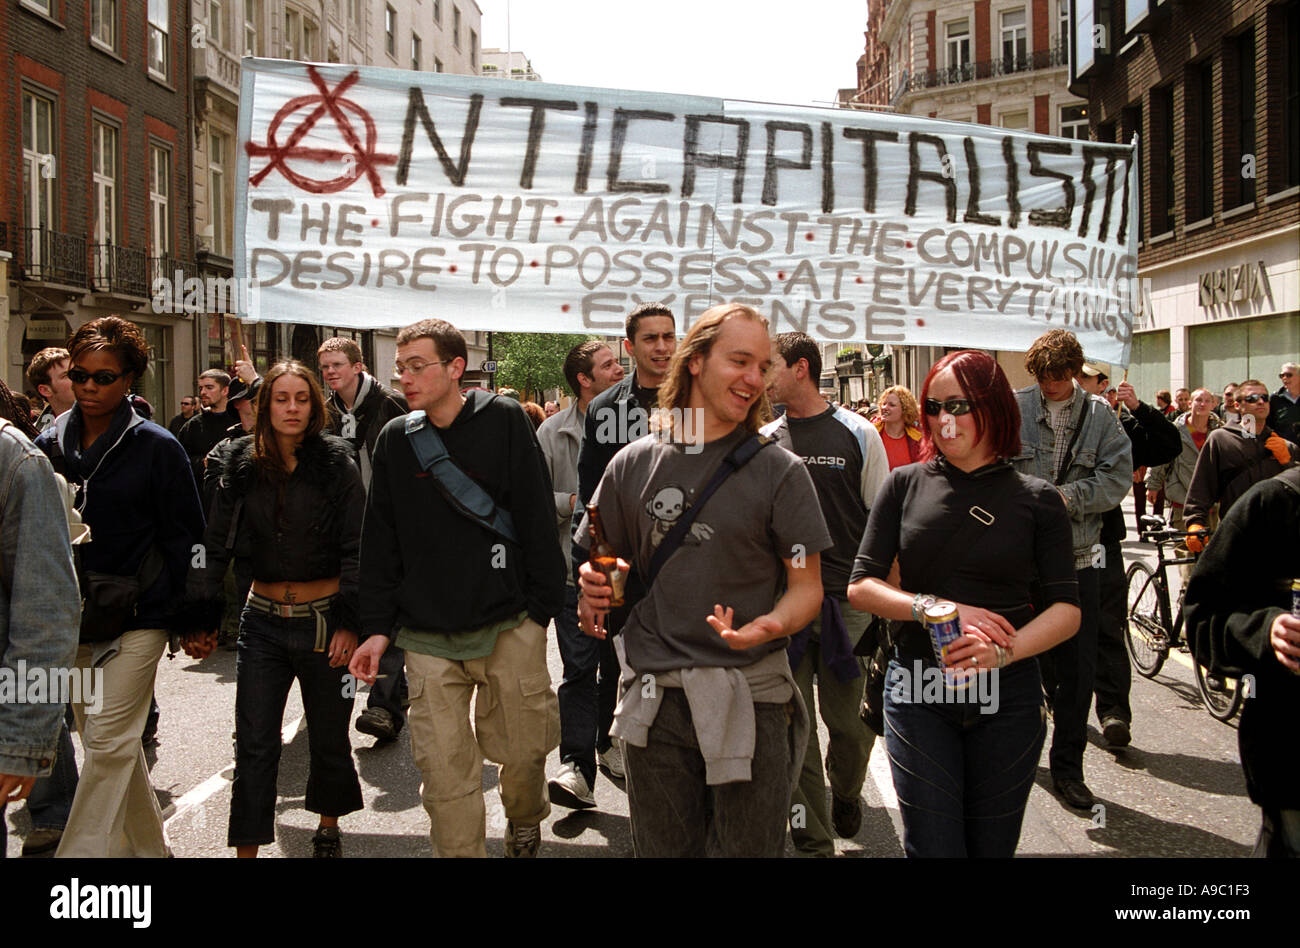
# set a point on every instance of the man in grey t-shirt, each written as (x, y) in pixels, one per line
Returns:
(708, 698)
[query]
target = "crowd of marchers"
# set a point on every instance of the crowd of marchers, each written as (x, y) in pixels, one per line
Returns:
(723, 554)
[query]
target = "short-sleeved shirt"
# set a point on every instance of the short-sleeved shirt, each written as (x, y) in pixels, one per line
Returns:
(918, 511)
(847, 463)
(765, 512)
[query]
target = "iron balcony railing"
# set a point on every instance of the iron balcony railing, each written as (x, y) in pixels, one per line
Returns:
(47, 256)
(1050, 58)
(120, 270)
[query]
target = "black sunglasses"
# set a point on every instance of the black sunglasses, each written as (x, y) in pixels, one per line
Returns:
(953, 406)
(102, 377)
(1248, 399)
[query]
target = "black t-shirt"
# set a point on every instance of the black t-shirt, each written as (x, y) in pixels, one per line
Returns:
(921, 507)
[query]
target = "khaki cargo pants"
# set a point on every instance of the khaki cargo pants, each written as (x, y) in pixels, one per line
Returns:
(516, 724)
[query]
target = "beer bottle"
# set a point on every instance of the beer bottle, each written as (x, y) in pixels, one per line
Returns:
(603, 557)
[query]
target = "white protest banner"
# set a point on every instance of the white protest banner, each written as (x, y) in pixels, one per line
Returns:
(371, 198)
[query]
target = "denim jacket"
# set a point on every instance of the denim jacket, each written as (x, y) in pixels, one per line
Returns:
(40, 607)
(1098, 470)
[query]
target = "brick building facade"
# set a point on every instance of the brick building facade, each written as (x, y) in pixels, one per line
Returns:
(94, 198)
(1212, 90)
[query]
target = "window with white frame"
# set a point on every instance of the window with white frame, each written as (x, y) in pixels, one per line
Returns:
(252, 20)
(160, 187)
(103, 168)
(310, 39)
(455, 27)
(45, 6)
(103, 23)
(39, 159)
(1063, 21)
(415, 52)
(159, 39)
(957, 43)
(217, 191)
(390, 30)
(1074, 122)
(1015, 46)
(217, 23)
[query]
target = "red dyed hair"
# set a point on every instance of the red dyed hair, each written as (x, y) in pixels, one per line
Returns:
(982, 381)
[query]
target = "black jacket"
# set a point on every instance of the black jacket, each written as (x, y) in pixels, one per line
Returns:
(1229, 612)
(308, 527)
(615, 418)
(1155, 440)
(429, 568)
(202, 433)
(380, 406)
(137, 492)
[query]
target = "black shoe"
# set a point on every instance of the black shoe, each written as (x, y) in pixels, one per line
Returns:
(1215, 683)
(846, 816)
(1116, 732)
(377, 723)
(1074, 792)
(327, 843)
(149, 738)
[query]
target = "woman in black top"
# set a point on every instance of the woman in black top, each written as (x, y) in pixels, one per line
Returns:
(288, 506)
(964, 527)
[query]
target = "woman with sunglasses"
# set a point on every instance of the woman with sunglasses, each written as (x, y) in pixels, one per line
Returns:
(288, 508)
(964, 527)
(137, 495)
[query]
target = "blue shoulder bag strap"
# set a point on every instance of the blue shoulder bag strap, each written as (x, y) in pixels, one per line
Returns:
(738, 458)
(465, 496)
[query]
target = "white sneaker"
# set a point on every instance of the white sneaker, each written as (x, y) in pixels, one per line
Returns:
(612, 760)
(569, 789)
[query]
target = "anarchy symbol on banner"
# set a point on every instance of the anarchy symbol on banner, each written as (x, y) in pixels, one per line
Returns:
(357, 159)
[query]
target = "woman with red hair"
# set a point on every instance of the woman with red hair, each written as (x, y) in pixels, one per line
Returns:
(964, 527)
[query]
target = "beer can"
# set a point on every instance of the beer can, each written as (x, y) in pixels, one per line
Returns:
(942, 623)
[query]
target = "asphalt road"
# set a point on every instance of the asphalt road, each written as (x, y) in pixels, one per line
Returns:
(1177, 791)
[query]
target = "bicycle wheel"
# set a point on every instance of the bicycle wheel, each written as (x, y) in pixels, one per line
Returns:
(1221, 703)
(1144, 632)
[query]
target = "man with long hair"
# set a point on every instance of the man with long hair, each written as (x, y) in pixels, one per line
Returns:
(708, 698)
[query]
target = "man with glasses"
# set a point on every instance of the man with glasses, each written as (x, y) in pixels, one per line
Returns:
(1284, 406)
(1075, 441)
(1233, 459)
(461, 568)
(189, 404)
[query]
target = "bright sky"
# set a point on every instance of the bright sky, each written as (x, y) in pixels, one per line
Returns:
(788, 52)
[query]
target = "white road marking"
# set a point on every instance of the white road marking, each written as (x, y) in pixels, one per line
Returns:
(883, 778)
(218, 781)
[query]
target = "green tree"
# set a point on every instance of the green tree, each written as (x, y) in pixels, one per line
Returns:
(532, 361)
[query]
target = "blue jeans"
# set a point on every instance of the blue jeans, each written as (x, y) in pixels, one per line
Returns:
(272, 653)
(50, 801)
(962, 776)
(588, 692)
(1070, 669)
